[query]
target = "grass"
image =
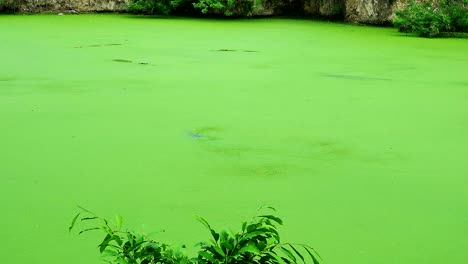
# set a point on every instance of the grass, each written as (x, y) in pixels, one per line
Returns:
(357, 135)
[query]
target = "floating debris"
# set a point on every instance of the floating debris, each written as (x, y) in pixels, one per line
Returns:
(233, 50)
(352, 77)
(194, 135)
(122, 60)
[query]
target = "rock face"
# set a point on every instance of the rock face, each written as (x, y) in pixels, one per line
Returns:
(358, 11)
(369, 11)
(71, 6)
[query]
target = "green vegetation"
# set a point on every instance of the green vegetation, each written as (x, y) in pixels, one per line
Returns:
(431, 18)
(212, 7)
(258, 242)
(9, 6)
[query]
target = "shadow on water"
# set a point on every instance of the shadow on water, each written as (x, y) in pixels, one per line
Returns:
(233, 50)
(99, 45)
(122, 60)
(353, 77)
(130, 61)
(6, 79)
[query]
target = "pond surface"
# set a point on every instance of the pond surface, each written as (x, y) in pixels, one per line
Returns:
(357, 135)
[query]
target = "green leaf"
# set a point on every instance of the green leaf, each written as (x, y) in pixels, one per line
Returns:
(249, 248)
(120, 260)
(203, 221)
(312, 256)
(89, 218)
(275, 256)
(109, 253)
(219, 251)
(214, 235)
(117, 239)
(104, 243)
(289, 254)
(272, 218)
(207, 256)
(88, 229)
(85, 210)
(118, 221)
(73, 222)
(252, 235)
(297, 252)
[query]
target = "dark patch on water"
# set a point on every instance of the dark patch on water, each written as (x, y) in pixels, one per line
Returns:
(225, 50)
(457, 83)
(352, 77)
(268, 171)
(100, 45)
(122, 60)
(194, 135)
(205, 133)
(6, 79)
(129, 61)
(233, 50)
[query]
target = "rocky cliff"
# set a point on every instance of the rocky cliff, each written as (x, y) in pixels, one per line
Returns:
(71, 6)
(358, 11)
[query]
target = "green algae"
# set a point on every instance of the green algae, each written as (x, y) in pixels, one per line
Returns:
(357, 135)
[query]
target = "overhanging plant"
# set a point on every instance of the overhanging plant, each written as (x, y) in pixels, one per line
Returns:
(257, 242)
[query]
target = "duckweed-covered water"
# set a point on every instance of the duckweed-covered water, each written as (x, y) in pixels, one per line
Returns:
(357, 135)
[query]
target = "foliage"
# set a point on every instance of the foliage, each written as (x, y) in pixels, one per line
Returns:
(431, 19)
(213, 7)
(163, 7)
(258, 242)
(458, 13)
(225, 7)
(9, 6)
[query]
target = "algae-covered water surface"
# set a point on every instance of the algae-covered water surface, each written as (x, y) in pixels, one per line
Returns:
(357, 135)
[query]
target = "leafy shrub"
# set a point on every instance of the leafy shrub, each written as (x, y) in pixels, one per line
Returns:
(258, 242)
(458, 13)
(423, 18)
(163, 7)
(225, 7)
(212, 7)
(431, 19)
(9, 6)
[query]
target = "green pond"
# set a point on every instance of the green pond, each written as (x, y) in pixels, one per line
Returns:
(357, 135)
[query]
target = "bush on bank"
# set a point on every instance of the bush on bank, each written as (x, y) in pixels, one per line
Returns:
(432, 19)
(9, 6)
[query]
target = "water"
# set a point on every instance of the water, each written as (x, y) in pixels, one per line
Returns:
(357, 135)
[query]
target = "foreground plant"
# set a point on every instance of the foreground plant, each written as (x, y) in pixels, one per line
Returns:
(258, 242)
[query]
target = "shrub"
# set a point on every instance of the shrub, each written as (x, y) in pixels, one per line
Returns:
(212, 7)
(258, 242)
(431, 19)
(163, 7)
(458, 13)
(9, 6)
(424, 18)
(225, 7)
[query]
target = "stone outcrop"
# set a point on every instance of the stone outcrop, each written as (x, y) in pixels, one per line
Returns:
(369, 11)
(357, 11)
(71, 6)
